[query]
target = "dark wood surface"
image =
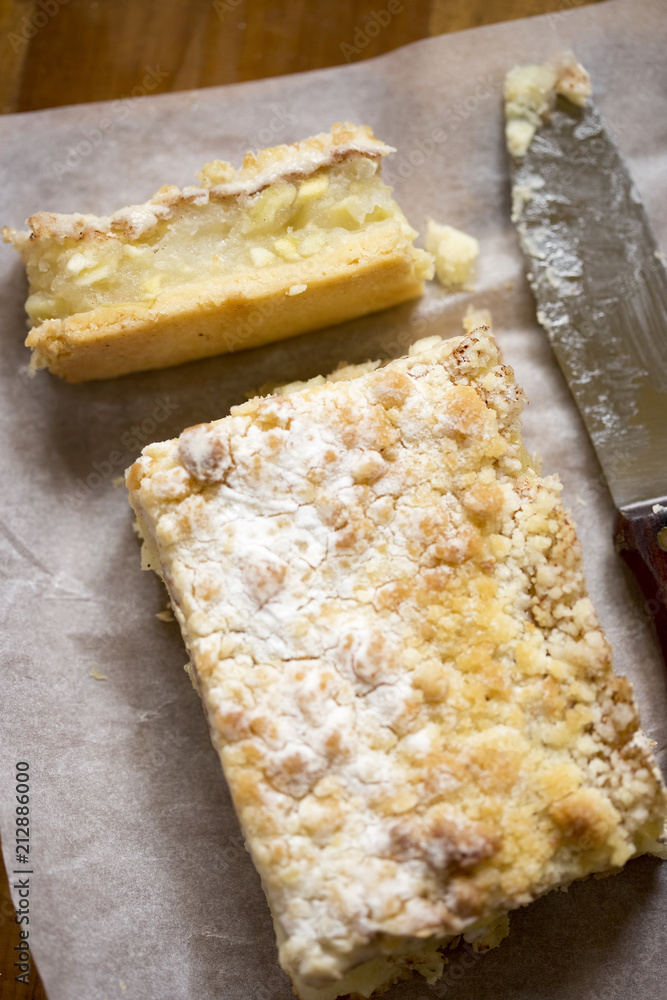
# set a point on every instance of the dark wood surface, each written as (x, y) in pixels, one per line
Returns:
(56, 52)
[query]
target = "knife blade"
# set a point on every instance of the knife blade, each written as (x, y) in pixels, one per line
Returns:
(601, 289)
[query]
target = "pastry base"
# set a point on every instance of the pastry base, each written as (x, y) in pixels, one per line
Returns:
(369, 272)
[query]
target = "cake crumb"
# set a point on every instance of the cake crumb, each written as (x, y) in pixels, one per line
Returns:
(474, 318)
(96, 675)
(190, 671)
(531, 93)
(455, 255)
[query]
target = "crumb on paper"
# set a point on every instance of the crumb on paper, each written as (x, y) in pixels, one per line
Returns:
(190, 671)
(455, 255)
(579, 501)
(475, 317)
(166, 616)
(485, 938)
(96, 675)
(122, 985)
(117, 481)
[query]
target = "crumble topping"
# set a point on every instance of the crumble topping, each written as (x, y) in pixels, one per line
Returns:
(404, 675)
(218, 180)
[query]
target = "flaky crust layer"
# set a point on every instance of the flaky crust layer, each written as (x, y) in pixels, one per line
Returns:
(219, 180)
(406, 681)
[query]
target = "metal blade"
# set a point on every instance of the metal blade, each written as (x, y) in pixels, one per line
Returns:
(601, 290)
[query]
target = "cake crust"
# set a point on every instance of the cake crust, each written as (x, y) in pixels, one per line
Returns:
(371, 271)
(404, 676)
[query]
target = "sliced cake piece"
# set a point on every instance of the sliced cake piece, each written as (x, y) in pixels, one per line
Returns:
(300, 237)
(404, 676)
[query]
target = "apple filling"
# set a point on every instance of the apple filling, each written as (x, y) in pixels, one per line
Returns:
(287, 221)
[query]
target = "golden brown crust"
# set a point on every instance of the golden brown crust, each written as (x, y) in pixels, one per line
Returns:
(530, 97)
(405, 678)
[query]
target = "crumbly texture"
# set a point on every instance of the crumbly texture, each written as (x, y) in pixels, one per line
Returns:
(300, 237)
(219, 179)
(455, 255)
(531, 93)
(404, 676)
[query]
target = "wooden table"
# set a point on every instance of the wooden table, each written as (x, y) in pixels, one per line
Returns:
(57, 52)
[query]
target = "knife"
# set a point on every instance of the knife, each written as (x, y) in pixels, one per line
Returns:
(601, 289)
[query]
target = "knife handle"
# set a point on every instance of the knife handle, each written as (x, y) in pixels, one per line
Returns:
(641, 540)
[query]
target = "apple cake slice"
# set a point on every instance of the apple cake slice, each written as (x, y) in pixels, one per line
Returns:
(404, 676)
(300, 237)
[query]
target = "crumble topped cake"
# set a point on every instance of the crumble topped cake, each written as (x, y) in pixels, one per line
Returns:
(404, 676)
(300, 237)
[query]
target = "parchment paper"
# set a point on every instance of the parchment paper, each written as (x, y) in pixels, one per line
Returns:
(141, 887)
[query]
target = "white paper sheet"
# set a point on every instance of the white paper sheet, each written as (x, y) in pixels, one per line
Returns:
(141, 887)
